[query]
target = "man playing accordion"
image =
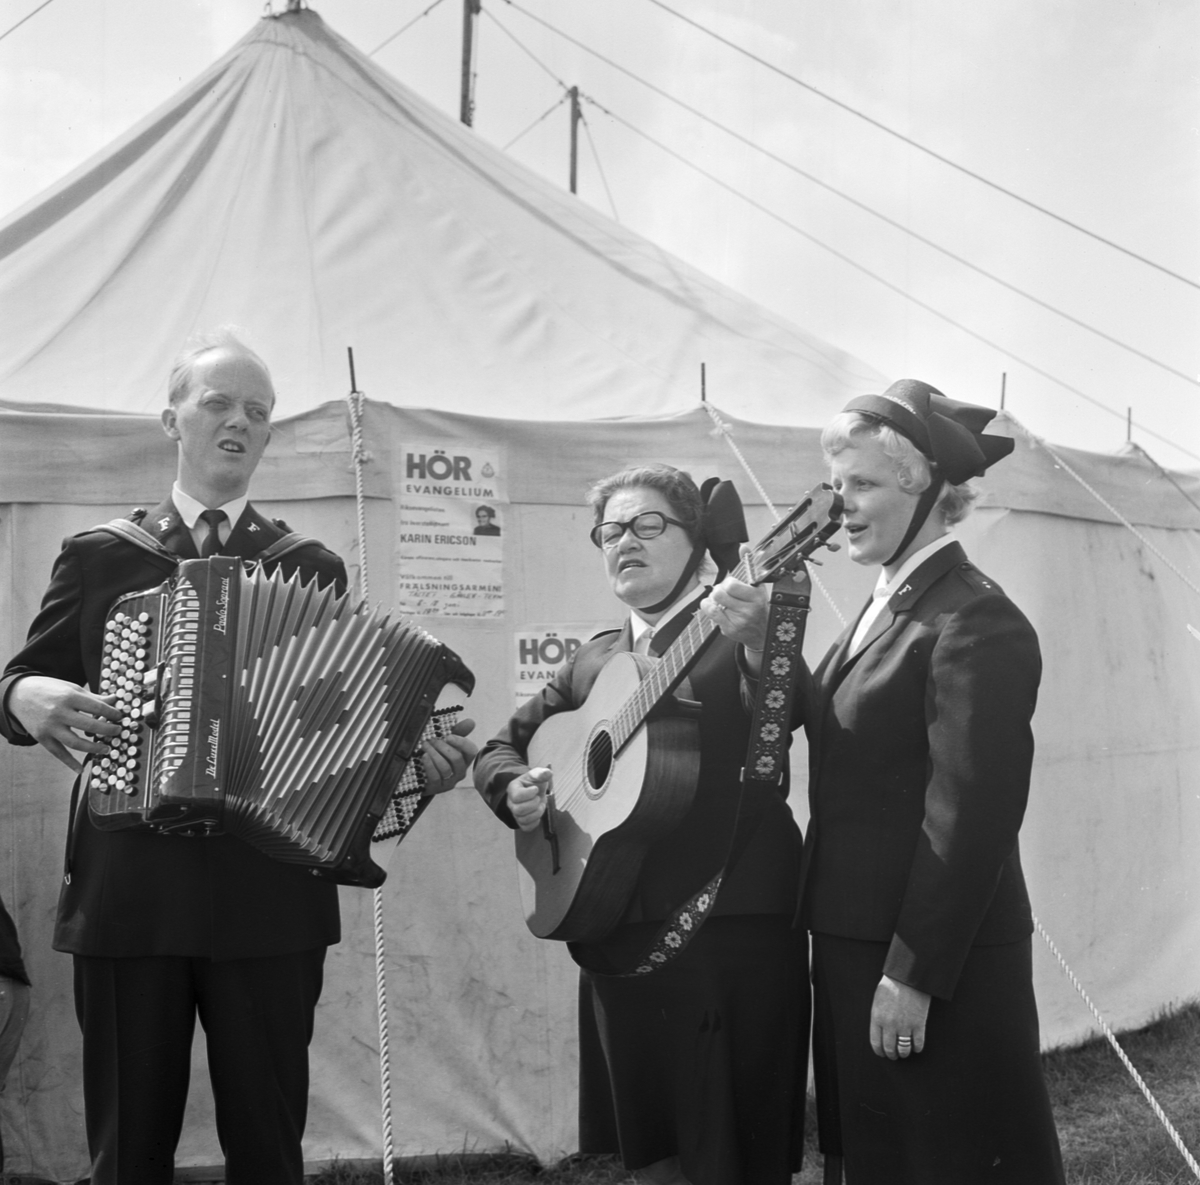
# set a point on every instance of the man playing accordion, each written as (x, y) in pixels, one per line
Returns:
(161, 927)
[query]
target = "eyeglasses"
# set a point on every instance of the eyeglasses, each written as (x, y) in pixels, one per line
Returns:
(647, 525)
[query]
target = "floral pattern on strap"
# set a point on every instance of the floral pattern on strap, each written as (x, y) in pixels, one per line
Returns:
(771, 725)
(680, 928)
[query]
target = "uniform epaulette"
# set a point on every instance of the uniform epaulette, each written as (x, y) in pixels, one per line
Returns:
(135, 516)
(975, 578)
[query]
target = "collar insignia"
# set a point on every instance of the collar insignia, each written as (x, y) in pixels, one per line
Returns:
(164, 523)
(252, 527)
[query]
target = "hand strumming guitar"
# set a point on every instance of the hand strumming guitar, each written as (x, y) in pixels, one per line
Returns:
(527, 797)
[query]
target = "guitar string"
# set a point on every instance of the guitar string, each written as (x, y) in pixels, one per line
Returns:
(630, 716)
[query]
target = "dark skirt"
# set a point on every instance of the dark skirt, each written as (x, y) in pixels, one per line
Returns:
(972, 1107)
(705, 1059)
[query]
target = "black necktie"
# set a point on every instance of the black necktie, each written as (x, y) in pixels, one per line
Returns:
(212, 541)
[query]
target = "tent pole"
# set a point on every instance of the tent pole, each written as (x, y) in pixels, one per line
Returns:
(574, 137)
(357, 401)
(466, 109)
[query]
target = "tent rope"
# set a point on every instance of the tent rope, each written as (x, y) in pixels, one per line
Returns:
(1176, 1139)
(722, 429)
(1058, 460)
(356, 401)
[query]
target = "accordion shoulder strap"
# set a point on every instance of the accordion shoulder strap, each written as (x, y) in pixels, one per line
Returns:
(125, 529)
(128, 530)
(290, 542)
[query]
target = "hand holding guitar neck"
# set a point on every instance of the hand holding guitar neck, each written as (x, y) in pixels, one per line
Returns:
(527, 797)
(740, 610)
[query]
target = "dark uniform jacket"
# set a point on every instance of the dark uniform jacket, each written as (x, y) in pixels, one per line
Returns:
(920, 754)
(763, 879)
(12, 966)
(133, 893)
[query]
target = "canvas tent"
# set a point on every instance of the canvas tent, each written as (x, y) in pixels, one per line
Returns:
(297, 178)
(297, 190)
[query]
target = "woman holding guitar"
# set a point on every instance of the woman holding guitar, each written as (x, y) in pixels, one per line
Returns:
(694, 1073)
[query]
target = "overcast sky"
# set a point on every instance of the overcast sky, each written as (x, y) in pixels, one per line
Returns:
(1088, 108)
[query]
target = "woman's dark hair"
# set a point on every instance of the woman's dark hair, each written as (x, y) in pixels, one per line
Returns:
(675, 485)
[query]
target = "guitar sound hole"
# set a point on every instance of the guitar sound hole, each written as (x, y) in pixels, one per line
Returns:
(599, 760)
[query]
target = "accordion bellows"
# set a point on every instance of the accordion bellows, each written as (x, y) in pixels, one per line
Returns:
(266, 708)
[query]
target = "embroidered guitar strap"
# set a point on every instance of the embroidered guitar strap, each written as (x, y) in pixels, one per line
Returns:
(771, 724)
(763, 772)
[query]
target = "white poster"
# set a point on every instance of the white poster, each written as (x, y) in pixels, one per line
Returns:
(540, 650)
(451, 520)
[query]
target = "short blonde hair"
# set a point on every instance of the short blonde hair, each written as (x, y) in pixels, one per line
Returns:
(225, 337)
(914, 470)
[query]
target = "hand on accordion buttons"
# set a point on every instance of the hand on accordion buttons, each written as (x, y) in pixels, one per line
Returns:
(526, 797)
(55, 713)
(446, 759)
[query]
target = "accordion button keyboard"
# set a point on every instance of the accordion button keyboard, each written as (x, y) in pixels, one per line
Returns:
(123, 676)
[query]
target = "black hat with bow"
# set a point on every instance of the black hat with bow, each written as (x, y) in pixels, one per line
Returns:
(948, 433)
(720, 531)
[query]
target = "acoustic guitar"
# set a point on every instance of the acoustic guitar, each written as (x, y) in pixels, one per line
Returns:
(626, 763)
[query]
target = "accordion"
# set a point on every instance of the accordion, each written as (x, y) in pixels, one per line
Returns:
(269, 709)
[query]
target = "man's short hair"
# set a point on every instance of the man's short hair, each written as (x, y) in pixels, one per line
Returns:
(225, 337)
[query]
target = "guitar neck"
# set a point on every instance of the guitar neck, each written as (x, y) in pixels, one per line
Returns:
(666, 674)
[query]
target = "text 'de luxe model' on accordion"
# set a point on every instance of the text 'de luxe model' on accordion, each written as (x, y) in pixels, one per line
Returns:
(266, 708)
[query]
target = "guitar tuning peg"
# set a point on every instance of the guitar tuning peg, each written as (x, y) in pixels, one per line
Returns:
(834, 546)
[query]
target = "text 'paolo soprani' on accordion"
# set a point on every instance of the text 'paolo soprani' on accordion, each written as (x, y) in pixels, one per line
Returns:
(266, 708)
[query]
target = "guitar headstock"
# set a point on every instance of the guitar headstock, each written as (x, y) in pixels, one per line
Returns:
(807, 526)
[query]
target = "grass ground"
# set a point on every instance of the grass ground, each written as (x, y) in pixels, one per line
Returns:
(1109, 1134)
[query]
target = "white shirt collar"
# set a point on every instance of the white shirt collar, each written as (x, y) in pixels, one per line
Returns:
(884, 588)
(640, 625)
(190, 510)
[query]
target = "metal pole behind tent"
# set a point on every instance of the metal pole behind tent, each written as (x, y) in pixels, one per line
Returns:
(574, 136)
(467, 105)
